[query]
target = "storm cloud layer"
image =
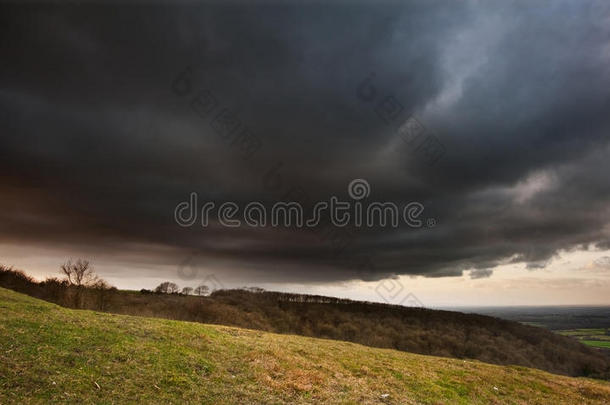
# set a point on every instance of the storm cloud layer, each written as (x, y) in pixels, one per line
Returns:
(107, 126)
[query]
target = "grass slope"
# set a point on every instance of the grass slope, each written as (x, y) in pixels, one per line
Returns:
(53, 354)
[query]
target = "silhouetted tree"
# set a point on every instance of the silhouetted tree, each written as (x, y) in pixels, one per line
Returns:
(202, 290)
(80, 273)
(187, 290)
(167, 287)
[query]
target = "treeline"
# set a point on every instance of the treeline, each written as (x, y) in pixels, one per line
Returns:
(80, 288)
(417, 330)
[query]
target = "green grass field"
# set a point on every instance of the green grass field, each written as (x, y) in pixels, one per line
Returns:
(591, 337)
(588, 332)
(52, 354)
(597, 343)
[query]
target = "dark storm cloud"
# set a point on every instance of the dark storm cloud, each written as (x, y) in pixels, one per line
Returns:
(97, 147)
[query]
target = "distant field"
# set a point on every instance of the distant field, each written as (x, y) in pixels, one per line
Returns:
(597, 343)
(577, 332)
(595, 337)
(556, 318)
(49, 354)
(536, 324)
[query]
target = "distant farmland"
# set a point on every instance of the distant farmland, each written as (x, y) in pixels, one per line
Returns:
(594, 337)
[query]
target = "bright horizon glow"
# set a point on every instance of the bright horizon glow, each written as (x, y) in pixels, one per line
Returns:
(570, 279)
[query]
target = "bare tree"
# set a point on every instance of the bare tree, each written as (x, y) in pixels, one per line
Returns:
(202, 290)
(187, 290)
(79, 276)
(167, 287)
(80, 273)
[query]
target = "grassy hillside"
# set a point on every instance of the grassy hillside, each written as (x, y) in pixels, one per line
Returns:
(49, 353)
(414, 330)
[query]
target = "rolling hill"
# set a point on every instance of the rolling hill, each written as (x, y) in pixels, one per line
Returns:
(53, 354)
(414, 330)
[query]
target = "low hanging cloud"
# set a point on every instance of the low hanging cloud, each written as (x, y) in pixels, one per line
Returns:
(481, 273)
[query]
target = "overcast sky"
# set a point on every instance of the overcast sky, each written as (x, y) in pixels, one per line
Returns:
(108, 123)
